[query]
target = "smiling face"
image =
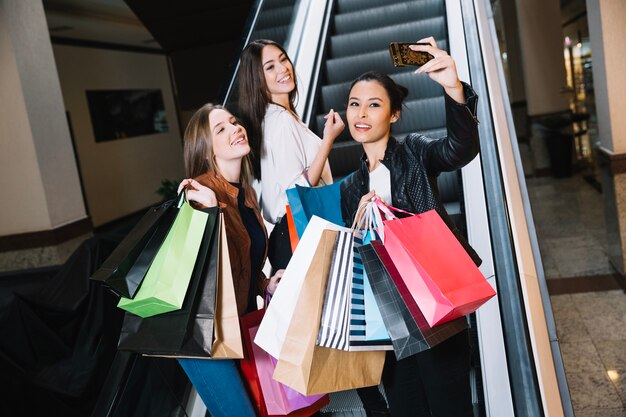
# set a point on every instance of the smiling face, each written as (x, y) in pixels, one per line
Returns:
(278, 72)
(229, 139)
(369, 112)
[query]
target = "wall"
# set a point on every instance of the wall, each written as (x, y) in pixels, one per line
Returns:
(120, 176)
(38, 177)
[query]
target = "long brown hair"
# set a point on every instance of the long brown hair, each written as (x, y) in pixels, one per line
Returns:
(254, 95)
(198, 147)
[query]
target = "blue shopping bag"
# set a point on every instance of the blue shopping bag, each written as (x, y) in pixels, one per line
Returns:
(324, 202)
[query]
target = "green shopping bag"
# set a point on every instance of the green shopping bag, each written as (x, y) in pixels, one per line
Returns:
(164, 287)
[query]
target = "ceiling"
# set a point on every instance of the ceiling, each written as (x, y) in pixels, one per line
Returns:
(156, 24)
(104, 21)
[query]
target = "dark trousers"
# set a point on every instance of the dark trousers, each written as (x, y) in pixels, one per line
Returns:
(433, 383)
(279, 246)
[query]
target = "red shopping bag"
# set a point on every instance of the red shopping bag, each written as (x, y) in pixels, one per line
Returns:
(271, 398)
(440, 275)
(291, 225)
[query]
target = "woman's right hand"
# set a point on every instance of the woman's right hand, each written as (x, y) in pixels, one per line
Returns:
(364, 200)
(194, 191)
(333, 126)
(367, 198)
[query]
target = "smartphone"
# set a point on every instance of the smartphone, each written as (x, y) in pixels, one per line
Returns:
(402, 55)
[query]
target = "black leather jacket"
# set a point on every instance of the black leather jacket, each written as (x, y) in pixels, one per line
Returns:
(415, 163)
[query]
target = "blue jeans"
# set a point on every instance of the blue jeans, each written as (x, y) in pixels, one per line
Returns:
(219, 385)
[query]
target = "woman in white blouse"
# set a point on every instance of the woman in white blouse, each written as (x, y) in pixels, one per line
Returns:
(284, 151)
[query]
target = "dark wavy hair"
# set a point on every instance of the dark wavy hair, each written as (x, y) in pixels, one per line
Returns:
(397, 93)
(254, 96)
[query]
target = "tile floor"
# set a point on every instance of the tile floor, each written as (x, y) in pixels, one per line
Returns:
(591, 326)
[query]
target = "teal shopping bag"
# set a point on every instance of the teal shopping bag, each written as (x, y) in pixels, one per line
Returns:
(306, 202)
(165, 285)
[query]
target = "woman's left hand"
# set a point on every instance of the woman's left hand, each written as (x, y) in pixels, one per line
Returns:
(441, 69)
(274, 281)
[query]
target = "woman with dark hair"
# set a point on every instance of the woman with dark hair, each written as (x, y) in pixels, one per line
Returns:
(219, 174)
(433, 383)
(284, 151)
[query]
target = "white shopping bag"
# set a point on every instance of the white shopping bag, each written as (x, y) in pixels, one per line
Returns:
(273, 328)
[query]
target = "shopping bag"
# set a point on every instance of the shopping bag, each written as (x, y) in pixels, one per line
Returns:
(438, 272)
(124, 270)
(312, 369)
(409, 335)
(291, 227)
(270, 397)
(345, 314)
(227, 342)
(334, 329)
(367, 329)
(273, 328)
(165, 285)
(187, 332)
(306, 202)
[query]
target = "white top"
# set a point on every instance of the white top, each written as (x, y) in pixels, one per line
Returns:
(289, 148)
(380, 181)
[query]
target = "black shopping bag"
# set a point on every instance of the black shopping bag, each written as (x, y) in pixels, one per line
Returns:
(407, 335)
(187, 332)
(124, 270)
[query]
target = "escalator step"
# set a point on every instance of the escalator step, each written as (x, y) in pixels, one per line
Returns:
(357, 43)
(274, 17)
(347, 6)
(340, 70)
(420, 115)
(277, 34)
(335, 96)
(388, 15)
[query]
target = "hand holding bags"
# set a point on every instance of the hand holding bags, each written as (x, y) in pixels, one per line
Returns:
(312, 369)
(204, 326)
(176, 333)
(165, 285)
(124, 270)
(438, 272)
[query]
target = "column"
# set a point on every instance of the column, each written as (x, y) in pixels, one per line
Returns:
(39, 180)
(607, 31)
(541, 43)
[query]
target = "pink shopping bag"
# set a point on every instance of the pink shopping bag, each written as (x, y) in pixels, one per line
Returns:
(440, 275)
(279, 399)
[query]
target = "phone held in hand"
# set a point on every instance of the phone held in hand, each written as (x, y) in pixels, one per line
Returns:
(402, 55)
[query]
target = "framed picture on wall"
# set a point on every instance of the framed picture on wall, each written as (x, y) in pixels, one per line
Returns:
(120, 114)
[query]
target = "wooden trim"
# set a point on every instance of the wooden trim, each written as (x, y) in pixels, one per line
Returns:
(46, 237)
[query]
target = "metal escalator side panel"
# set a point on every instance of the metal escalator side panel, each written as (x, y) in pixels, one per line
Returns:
(536, 388)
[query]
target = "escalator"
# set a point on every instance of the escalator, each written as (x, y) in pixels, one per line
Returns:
(517, 368)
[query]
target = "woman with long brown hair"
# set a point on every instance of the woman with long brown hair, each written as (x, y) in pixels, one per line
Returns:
(218, 169)
(285, 152)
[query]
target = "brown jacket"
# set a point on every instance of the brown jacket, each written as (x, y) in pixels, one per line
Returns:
(238, 239)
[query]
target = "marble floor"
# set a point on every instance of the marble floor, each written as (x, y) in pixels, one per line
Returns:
(591, 326)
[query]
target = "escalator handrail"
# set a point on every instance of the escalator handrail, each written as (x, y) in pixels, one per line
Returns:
(526, 314)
